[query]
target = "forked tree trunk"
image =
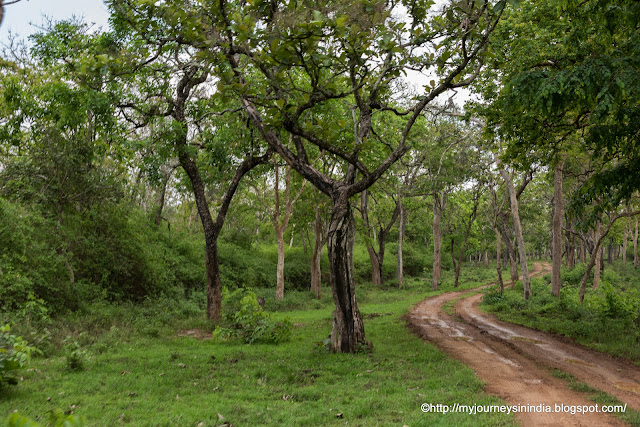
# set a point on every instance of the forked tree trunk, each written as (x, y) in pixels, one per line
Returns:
(556, 257)
(437, 240)
(472, 218)
(348, 329)
(517, 227)
(399, 267)
(377, 258)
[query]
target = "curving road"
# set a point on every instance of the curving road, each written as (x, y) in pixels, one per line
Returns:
(515, 361)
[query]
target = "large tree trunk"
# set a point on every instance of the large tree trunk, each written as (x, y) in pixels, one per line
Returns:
(556, 257)
(280, 265)
(400, 268)
(211, 233)
(437, 239)
(348, 329)
(316, 257)
(526, 283)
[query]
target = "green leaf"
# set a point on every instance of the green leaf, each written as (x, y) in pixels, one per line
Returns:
(497, 8)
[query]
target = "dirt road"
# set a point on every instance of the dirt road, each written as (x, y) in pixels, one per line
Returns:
(515, 361)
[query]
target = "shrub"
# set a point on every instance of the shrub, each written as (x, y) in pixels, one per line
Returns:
(56, 419)
(245, 319)
(75, 356)
(15, 353)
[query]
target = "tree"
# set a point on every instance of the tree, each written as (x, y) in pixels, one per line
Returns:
(291, 66)
(280, 212)
(556, 232)
(517, 226)
(566, 72)
(380, 232)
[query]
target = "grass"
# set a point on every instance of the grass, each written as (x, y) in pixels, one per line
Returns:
(608, 321)
(139, 372)
(630, 416)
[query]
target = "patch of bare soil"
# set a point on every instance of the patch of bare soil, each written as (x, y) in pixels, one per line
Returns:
(514, 361)
(199, 334)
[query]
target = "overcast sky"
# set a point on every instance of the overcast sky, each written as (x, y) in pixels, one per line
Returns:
(22, 18)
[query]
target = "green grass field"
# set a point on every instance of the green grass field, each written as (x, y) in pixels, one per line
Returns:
(138, 371)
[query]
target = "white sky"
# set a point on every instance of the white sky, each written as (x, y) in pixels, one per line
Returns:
(24, 17)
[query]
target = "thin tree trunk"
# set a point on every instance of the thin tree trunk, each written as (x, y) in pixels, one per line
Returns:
(316, 257)
(510, 252)
(558, 213)
(526, 283)
(348, 329)
(280, 265)
(625, 239)
(598, 255)
(636, 261)
(304, 242)
(570, 248)
(400, 268)
(437, 240)
(376, 277)
(499, 259)
(472, 218)
(596, 250)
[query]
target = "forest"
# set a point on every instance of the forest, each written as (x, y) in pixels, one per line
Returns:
(285, 212)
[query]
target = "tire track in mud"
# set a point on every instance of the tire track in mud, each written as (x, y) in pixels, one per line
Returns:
(515, 361)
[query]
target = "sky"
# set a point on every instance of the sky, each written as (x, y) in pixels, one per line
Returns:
(24, 17)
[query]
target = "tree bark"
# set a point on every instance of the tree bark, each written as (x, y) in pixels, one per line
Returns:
(348, 329)
(636, 261)
(399, 267)
(472, 218)
(625, 239)
(598, 255)
(596, 249)
(438, 202)
(280, 224)
(316, 257)
(377, 258)
(526, 282)
(558, 213)
(510, 251)
(499, 259)
(280, 264)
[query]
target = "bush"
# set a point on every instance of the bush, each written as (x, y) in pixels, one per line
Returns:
(56, 419)
(15, 353)
(75, 356)
(245, 319)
